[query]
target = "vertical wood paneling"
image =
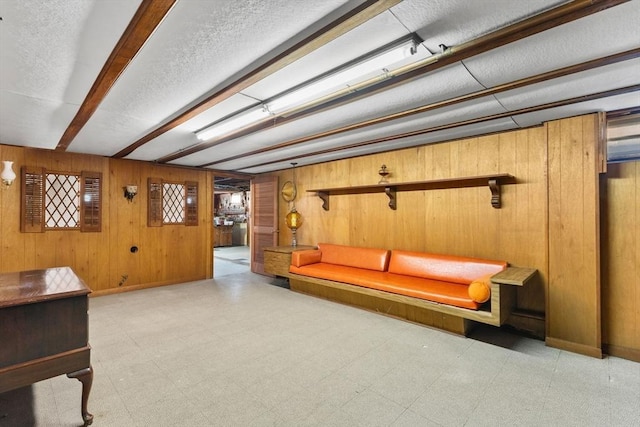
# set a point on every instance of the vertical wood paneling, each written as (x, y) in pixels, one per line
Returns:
(103, 258)
(452, 221)
(574, 265)
(125, 226)
(549, 221)
(621, 261)
(530, 214)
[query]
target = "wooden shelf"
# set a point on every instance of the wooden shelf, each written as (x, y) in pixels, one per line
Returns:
(517, 276)
(390, 189)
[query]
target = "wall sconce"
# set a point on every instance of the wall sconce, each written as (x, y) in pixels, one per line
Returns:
(8, 175)
(130, 191)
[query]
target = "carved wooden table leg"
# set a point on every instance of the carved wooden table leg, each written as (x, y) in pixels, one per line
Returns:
(85, 376)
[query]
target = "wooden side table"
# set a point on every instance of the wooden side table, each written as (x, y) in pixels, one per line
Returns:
(278, 258)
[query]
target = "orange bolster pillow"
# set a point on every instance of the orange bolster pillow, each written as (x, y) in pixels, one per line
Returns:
(300, 258)
(480, 289)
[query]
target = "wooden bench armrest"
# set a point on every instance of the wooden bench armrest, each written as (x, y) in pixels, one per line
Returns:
(517, 276)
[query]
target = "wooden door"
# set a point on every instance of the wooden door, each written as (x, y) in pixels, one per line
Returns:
(264, 219)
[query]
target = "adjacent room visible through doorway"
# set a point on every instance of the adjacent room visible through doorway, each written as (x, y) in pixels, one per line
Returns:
(231, 222)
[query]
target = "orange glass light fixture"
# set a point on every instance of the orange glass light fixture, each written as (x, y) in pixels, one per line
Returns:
(293, 221)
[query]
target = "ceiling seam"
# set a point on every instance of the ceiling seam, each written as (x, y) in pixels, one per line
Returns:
(401, 23)
(493, 95)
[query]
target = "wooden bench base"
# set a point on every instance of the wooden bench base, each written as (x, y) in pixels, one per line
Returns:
(379, 304)
(453, 319)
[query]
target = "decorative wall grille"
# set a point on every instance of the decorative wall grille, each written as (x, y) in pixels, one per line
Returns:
(173, 203)
(62, 201)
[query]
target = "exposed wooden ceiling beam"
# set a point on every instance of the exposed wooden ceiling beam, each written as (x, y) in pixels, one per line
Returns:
(333, 30)
(146, 19)
(536, 24)
(572, 69)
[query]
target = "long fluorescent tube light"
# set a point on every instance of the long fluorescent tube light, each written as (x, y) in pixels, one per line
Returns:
(234, 123)
(372, 66)
(360, 73)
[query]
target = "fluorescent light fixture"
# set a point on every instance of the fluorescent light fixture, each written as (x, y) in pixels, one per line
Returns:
(393, 59)
(360, 70)
(234, 123)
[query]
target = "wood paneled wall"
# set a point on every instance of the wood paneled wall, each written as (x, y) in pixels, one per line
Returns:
(168, 254)
(450, 221)
(621, 261)
(550, 220)
(573, 295)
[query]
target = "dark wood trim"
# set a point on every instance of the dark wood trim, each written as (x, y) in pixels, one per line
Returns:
(584, 98)
(622, 113)
(390, 189)
(561, 72)
(326, 34)
(144, 22)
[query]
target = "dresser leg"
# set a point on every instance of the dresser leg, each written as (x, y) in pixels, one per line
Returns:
(85, 376)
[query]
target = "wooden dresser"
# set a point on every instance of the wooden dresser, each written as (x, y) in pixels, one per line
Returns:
(44, 330)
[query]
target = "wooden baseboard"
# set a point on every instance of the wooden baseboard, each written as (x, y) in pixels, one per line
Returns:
(622, 352)
(528, 323)
(573, 347)
(121, 289)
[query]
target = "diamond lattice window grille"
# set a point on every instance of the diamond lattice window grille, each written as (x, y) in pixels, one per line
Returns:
(173, 202)
(62, 201)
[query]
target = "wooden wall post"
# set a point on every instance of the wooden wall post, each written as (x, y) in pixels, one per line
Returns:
(573, 289)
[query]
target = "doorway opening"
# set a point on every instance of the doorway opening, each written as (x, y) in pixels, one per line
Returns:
(231, 226)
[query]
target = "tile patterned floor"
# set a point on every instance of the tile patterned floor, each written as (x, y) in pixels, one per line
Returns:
(231, 260)
(238, 351)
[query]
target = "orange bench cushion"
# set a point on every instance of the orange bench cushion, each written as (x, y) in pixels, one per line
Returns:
(445, 268)
(428, 289)
(438, 278)
(309, 256)
(349, 256)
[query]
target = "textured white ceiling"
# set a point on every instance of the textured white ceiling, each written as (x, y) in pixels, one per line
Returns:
(50, 54)
(384, 28)
(52, 51)
(611, 31)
